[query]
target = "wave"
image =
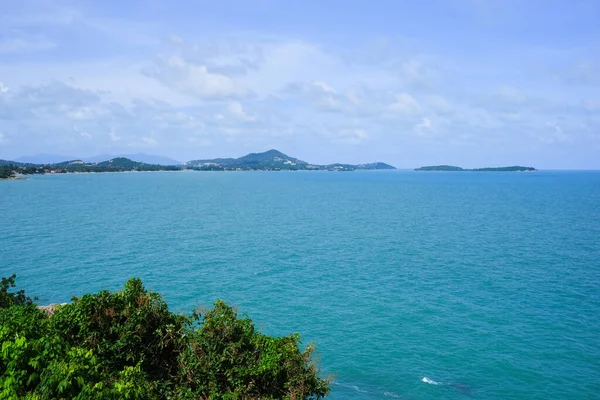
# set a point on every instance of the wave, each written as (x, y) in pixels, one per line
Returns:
(431, 382)
(391, 394)
(350, 387)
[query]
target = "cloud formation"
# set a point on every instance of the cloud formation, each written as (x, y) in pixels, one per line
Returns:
(194, 79)
(187, 90)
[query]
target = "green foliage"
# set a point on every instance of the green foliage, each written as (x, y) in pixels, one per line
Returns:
(119, 164)
(8, 299)
(440, 168)
(128, 345)
(515, 168)
(229, 359)
(6, 172)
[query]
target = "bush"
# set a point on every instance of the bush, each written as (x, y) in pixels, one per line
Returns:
(128, 345)
(8, 299)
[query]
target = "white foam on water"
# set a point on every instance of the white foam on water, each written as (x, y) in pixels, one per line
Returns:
(357, 389)
(351, 387)
(391, 394)
(427, 380)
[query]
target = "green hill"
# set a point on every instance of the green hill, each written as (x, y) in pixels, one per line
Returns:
(516, 168)
(6, 172)
(270, 159)
(276, 160)
(375, 165)
(440, 168)
(121, 163)
(8, 162)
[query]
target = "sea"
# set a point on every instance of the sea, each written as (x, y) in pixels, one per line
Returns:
(413, 285)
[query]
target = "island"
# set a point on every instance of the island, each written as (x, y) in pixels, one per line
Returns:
(274, 160)
(452, 168)
(271, 160)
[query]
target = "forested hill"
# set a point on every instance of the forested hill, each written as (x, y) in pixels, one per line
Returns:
(516, 168)
(271, 160)
(274, 159)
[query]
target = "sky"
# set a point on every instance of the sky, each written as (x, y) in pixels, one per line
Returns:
(463, 82)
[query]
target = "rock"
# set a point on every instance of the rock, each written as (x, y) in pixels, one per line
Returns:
(51, 308)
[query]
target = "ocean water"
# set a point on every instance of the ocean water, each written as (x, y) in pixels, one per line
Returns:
(413, 285)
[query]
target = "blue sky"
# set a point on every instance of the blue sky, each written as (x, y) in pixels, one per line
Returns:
(463, 82)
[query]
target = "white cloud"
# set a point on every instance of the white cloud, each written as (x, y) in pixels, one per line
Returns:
(424, 128)
(321, 96)
(44, 13)
(591, 105)
(417, 73)
(113, 135)
(511, 117)
(330, 103)
(219, 84)
(439, 104)
(555, 134)
(149, 142)
(84, 113)
(351, 136)
(324, 87)
(405, 104)
(83, 134)
(283, 63)
(237, 111)
(176, 40)
(195, 79)
(583, 73)
(511, 94)
(199, 142)
(25, 45)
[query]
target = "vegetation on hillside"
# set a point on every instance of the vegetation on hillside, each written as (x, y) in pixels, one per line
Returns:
(439, 168)
(515, 168)
(271, 160)
(6, 172)
(275, 160)
(128, 345)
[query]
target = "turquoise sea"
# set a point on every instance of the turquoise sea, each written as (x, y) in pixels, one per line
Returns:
(414, 285)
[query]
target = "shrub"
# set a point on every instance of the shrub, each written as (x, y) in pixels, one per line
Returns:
(128, 345)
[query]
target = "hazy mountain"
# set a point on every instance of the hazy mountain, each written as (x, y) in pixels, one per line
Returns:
(277, 160)
(10, 162)
(140, 157)
(56, 158)
(44, 159)
(271, 158)
(514, 168)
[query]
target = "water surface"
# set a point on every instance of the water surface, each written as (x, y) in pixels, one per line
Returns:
(414, 285)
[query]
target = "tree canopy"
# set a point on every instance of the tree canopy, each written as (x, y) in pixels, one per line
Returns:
(6, 172)
(128, 345)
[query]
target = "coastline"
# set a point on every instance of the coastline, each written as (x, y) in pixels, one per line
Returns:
(192, 171)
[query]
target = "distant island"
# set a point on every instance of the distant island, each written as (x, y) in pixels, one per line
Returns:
(516, 168)
(274, 160)
(271, 160)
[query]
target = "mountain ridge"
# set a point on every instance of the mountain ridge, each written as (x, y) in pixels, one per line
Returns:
(51, 159)
(452, 168)
(268, 160)
(276, 159)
